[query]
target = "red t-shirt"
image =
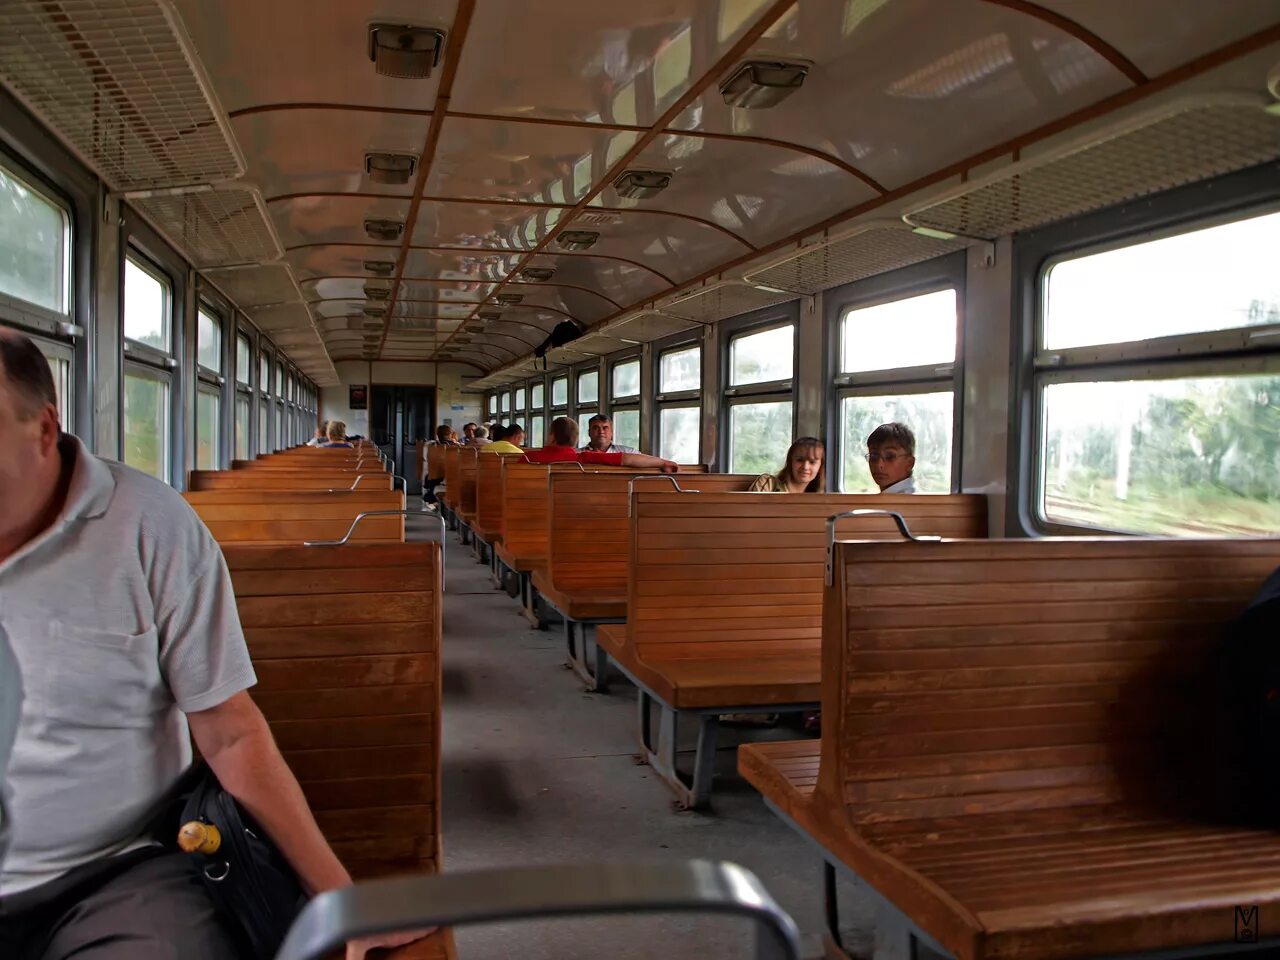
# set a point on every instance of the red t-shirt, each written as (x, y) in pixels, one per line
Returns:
(551, 454)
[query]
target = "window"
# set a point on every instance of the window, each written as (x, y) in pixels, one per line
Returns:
(535, 396)
(897, 363)
(520, 395)
(506, 403)
(278, 386)
(1157, 384)
(559, 392)
(146, 421)
(761, 414)
(208, 428)
(493, 406)
(589, 387)
(679, 376)
(148, 383)
(244, 366)
(679, 431)
(264, 418)
(35, 246)
(242, 427)
(584, 426)
(147, 313)
(626, 428)
(537, 432)
(209, 341)
(762, 357)
(264, 372)
(280, 441)
(626, 380)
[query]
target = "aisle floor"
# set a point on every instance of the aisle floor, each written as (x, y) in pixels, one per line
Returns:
(537, 771)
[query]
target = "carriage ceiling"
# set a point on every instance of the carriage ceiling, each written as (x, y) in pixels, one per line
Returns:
(924, 108)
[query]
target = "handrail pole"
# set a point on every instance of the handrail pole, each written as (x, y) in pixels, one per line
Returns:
(898, 519)
(631, 486)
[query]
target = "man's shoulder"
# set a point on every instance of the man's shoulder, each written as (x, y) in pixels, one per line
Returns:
(150, 503)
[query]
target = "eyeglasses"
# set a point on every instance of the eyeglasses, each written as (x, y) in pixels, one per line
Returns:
(889, 457)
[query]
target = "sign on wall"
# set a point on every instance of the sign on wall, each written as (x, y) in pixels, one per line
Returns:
(358, 396)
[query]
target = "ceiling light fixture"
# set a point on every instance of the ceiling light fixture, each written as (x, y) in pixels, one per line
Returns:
(537, 274)
(759, 84)
(407, 53)
(384, 229)
(509, 299)
(376, 292)
(577, 239)
(641, 184)
(375, 311)
(380, 268)
(489, 316)
(394, 168)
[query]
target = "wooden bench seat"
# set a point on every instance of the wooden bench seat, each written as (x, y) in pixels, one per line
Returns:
(285, 517)
(323, 480)
(724, 610)
(346, 645)
(1008, 752)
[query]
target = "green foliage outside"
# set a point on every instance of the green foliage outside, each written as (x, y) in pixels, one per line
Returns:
(929, 415)
(1189, 457)
(759, 435)
(145, 425)
(31, 246)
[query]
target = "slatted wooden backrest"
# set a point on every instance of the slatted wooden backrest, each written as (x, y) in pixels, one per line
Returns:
(732, 574)
(283, 480)
(346, 644)
(304, 465)
(589, 524)
(467, 481)
(489, 490)
(524, 509)
(972, 678)
(435, 461)
(452, 476)
(291, 517)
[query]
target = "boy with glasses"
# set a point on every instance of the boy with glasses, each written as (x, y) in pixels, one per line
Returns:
(891, 457)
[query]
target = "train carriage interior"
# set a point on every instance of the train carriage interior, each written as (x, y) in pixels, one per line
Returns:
(1044, 235)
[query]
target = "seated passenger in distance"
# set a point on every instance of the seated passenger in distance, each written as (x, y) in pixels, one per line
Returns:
(120, 613)
(804, 471)
(468, 433)
(563, 448)
(601, 429)
(891, 457)
(480, 438)
(322, 434)
(337, 433)
(507, 440)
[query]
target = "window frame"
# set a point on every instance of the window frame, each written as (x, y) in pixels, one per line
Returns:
(23, 313)
(1237, 351)
(758, 321)
(949, 271)
(560, 410)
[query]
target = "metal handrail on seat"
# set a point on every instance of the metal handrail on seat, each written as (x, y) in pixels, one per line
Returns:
(868, 512)
(517, 893)
(444, 531)
(356, 482)
(631, 487)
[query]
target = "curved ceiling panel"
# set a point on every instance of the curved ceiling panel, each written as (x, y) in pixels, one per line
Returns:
(889, 78)
(1187, 28)
(322, 151)
(297, 51)
(621, 62)
(318, 219)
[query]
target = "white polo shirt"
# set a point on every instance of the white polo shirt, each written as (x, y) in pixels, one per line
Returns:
(905, 485)
(123, 620)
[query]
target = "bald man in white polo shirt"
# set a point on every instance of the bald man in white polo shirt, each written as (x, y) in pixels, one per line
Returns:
(119, 609)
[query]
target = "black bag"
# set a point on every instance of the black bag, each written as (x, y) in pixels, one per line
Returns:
(255, 891)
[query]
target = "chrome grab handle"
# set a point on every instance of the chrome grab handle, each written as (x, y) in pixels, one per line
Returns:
(563, 463)
(897, 519)
(444, 537)
(356, 482)
(515, 893)
(631, 486)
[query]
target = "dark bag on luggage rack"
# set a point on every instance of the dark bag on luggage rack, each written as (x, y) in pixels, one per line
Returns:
(254, 890)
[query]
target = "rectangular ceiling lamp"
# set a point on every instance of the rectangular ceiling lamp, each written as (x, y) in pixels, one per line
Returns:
(760, 84)
(577, 239)
(641, 184)
(395, 168)
(404, 52)
(380, 268)
(384, 229)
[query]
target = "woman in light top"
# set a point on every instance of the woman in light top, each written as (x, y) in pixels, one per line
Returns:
(805, 470)
(337, 435)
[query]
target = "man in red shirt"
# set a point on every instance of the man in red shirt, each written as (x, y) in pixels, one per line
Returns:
(563, 448)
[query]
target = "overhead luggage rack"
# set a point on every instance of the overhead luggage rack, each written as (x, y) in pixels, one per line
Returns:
(854, 253)
(216, 228)
(720, 301)
(256, 285)
(1180, 143)
(119, 82)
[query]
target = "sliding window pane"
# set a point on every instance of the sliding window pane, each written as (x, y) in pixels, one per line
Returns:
(560, 392)
(762, 357)
(537, 432)
(584, 426)
(759, 435)
(520, 395)
(678, 433)
(242, 428)
(1191, 457)
(208, 429)
(589, 387)
(626, 428)
(904, 333)
(1211, 279)
(209, 341)
(929, 415)
(244, 365)
(264, 444)
(146, 424)
(34, 246)
(264, 372)
(146, 307)
(626, 379)
(535, 396)
(681, 370)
